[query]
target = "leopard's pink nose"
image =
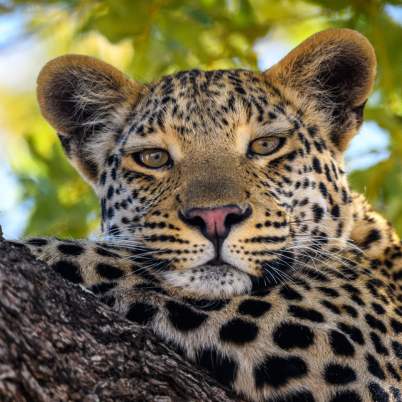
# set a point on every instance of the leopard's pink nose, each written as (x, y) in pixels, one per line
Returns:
(215, 222)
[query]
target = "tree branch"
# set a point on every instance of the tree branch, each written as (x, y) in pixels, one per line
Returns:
(58, 342)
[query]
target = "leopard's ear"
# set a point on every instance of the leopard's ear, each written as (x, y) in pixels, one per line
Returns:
(337, 68)
(86, 101)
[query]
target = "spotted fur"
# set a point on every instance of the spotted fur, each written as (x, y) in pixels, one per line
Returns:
(304, 302)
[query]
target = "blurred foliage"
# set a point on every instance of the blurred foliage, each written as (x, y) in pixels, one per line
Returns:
(149, 38)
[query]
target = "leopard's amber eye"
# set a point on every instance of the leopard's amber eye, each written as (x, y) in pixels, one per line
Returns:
(265, 145)
(152, 158)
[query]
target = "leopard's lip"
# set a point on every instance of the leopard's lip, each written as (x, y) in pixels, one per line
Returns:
(216, 265)
(220, 264)
(211, 280)
(216, 262)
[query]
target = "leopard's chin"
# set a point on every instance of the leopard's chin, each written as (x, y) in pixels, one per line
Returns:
(211, 281)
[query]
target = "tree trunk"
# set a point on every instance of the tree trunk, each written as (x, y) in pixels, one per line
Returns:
(58, 343)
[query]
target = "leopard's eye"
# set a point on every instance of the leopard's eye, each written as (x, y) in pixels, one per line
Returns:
(152, 158)
(265, 145)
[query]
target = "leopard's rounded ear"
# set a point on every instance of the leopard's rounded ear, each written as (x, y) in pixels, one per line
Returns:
(87, 102)
(337, 67)
(337, 63)
(76, 91)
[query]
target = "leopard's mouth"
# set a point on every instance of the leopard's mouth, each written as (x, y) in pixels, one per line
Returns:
(212, 280)
(217, 278)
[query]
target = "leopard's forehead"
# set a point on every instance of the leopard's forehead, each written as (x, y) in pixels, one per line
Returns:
(209, 104)
(208, 84)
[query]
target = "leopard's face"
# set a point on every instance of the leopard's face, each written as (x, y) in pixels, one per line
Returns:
(226, 150)
(220, 181)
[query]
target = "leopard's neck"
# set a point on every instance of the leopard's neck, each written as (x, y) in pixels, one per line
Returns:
(374, 235)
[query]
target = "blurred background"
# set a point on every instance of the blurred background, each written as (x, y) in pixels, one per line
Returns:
(41, 194)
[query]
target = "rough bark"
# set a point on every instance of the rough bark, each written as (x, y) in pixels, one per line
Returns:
(58, 343)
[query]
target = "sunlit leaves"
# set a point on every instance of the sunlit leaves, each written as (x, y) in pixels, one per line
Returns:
(64, 204)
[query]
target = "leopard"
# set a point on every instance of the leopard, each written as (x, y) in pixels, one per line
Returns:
(228, 226)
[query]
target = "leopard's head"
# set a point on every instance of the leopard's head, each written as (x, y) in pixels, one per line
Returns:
(220, 181)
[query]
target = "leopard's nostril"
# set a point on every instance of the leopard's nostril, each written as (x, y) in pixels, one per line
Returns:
(215, 222)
